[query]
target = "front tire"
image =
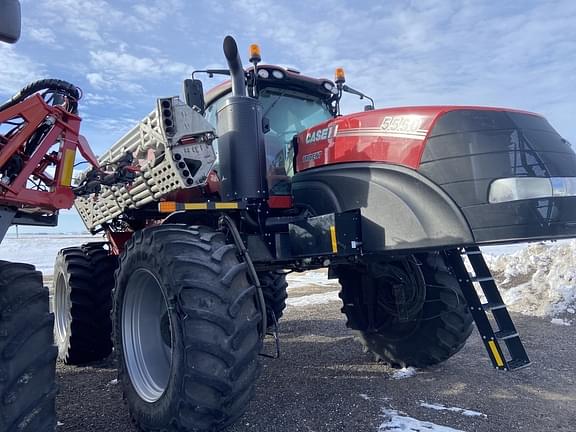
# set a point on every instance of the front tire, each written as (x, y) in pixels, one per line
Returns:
(27, 352)
(186, 330)
(409, 311)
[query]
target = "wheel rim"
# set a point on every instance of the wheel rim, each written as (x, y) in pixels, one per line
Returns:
(400, 296)
(61, 309)
(147, 335)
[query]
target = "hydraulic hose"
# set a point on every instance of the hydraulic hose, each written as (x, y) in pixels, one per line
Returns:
(235, 66)
(45, 84)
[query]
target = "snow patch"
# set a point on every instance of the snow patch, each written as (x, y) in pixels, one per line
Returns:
(463, 411)
(396, 421)
(539, 279)
(404, 373)
(312, 277)
(560, 321)
(364, 396)
(313, 299)
(40, 250)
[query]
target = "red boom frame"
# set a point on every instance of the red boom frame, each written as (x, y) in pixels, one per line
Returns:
(33, 112)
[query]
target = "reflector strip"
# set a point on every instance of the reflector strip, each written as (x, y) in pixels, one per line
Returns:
(495, 353)
(167, 207)
(196, 206)
(333, 238)
(68, 167)
(172, 206)
(226, 205)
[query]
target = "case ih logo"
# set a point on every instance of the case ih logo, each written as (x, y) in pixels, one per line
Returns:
(321, 134)
(409, 125)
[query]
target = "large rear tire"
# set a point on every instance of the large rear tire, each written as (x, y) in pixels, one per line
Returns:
(27, 352)
(409, 311)
(186, 330)
(83, 283)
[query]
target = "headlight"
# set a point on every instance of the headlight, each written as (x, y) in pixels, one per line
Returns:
(522, 188)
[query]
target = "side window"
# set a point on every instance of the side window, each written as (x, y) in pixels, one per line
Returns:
(211, 115)
(211, 111)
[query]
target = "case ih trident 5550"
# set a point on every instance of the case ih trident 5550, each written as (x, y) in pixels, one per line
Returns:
(263, 175)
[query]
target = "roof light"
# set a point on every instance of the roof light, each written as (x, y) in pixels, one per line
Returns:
(328, 86)
(255, 53)
(264, 73)
(278, 74)
(340, 76)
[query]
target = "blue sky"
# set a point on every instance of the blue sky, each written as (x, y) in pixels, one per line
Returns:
(124, 54)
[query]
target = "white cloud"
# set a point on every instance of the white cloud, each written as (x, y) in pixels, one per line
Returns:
(16, 70)
(42, 35)
(97, 80)
(121, 70)
(156, 11)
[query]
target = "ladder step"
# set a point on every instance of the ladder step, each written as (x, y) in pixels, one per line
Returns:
(493, 306)
(481, 278)
(508, 334)
(518, 364)
(472, 252)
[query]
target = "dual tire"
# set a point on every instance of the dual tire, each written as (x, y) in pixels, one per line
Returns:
(185, 323)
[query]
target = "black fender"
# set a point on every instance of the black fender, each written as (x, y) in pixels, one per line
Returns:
(401, 209)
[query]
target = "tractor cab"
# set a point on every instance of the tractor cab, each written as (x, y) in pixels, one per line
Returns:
(291, 103)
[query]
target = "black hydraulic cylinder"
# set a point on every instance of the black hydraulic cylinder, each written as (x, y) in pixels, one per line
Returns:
(241, 150)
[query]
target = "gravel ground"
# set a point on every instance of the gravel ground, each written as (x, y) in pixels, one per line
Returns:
(324, 382)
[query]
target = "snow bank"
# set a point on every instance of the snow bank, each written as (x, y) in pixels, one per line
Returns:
(539, 280)
(312, 277)
(313, 299)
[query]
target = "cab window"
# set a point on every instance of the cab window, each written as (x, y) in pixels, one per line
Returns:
(289, 113)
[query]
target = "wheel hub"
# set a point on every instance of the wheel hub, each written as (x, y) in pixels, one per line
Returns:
(147, 335)
(61, 310)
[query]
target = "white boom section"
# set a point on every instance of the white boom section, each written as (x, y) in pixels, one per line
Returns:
(173, 145)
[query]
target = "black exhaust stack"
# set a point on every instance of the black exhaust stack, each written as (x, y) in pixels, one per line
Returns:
(240, 137)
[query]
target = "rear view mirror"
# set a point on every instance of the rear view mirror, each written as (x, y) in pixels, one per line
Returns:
(194, 94)
(9, 20)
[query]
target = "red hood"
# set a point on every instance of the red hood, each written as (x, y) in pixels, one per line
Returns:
(393, 135)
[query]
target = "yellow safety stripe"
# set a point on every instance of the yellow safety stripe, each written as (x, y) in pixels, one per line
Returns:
(333, 238)
(495, 353)
(196, 206)
(226, 205)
